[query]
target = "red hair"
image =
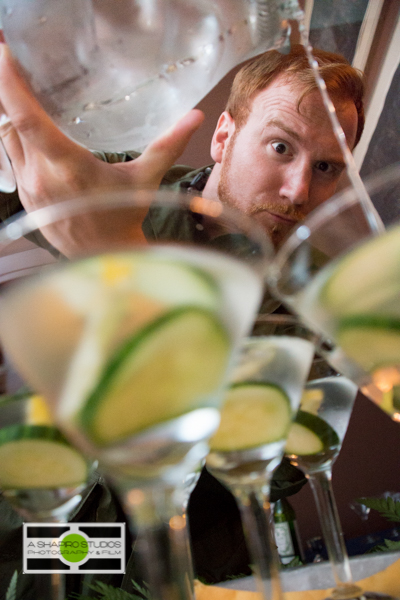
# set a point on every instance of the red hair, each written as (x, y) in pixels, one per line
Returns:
(342, 80)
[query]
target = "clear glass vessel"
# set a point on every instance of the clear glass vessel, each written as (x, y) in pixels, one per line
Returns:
(265, 391)
(313, 444)
(42, 476)
(114, 76)
(342, 279)
(150, 300)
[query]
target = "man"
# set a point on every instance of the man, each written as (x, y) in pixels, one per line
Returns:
(275, 153)
(275, 157)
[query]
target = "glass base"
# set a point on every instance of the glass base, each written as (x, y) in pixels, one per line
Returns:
(346, 591)
(353, 592)
(378, 596)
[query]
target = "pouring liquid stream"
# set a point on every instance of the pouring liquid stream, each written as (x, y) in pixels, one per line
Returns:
(344, 585)
(371, 213)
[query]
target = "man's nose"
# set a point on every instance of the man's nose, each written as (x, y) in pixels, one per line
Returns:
(297, 183)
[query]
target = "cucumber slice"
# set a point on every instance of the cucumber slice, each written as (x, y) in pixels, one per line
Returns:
(38, 457)
(171, 366)
(309, 434)
(163, 280)
(253, 414)
(176, 283)
(371, 341)
(366, 277)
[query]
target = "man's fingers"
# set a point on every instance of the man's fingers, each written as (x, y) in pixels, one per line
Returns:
(30, 122)
(9, 137)
(161, 154)
(37, 148)
(178, 136)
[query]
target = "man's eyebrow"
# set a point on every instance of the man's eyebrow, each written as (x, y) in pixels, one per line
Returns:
(281, 125)
(339, 162)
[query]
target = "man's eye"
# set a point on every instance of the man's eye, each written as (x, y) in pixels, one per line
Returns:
(280, 147)
(324, 167)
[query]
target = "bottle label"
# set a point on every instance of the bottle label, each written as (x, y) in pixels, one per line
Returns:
(284, 542)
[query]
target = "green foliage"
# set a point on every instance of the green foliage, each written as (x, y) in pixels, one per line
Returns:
(387, 507)
(143, 591)
(387, 546)
(11, 593)
(295, 562)
(390, 510)
(229, 578)
(109, 592)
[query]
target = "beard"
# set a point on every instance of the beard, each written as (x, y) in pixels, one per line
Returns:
(277, 232)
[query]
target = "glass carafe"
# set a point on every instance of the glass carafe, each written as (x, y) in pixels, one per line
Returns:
(114, 76)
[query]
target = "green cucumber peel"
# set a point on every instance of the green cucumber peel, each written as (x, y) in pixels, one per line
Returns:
(348, 289)
(38, 457)
(243, 429)
(22, 394)
(261, 384)
(328, 436)
(372, 321)
(14, 433)
(371, 340)
(125, 352)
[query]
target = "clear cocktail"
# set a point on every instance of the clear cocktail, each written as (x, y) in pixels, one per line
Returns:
(258, 409)
(313, 444)
(131, 342)
(344, 281)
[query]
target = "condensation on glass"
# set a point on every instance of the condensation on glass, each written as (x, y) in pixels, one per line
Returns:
(114, 75)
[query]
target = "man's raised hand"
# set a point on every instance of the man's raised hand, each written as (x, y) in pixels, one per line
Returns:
(49, 166)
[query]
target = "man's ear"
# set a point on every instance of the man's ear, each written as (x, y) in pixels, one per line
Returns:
(222, 134)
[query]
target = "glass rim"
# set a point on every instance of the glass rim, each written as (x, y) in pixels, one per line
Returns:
(23, 223)
(289, 319)
(279, 318)
(329, 209)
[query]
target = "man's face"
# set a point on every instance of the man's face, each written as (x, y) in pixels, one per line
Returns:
(283, 163)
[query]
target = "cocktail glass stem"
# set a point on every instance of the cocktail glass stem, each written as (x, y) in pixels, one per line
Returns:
(54, 586)
(58, 586)
(39, 506)
(50, 587)
(321, 485)
(162, 543)
(254, 509)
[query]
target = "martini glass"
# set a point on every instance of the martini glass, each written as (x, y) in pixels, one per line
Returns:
(42, 476)
(343, 280)
(313, 444)
(263, 397)
(131, 338)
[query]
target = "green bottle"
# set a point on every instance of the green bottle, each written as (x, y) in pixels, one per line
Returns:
(286, 536)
